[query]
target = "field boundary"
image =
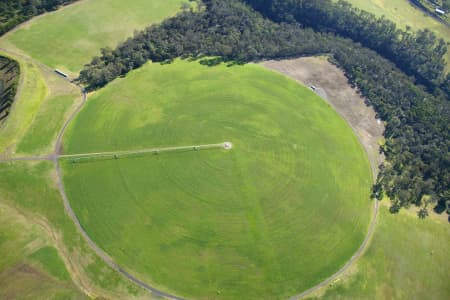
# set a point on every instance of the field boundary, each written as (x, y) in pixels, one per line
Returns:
(56, 155)
(54, 158)
(69, 210)
(372, 162)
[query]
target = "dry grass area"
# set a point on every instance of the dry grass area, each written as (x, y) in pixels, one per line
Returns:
(332, 85)
(23, 274)
(27, 282)
(32, 218)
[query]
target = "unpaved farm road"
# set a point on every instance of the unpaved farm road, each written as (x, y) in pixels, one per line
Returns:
(55, 156)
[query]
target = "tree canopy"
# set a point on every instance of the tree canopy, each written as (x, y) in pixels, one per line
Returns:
(9, 74)
(419, 54)
(417, 121)
(14, 12)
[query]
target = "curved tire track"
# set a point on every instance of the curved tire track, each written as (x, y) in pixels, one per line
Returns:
(100, 253)
(54, 157)
(349, 263)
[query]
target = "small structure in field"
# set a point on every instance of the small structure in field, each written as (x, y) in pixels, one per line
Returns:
(227, 145)
(440, 11)
(61, 73)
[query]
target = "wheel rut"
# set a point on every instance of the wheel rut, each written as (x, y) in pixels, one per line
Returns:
(56, 155)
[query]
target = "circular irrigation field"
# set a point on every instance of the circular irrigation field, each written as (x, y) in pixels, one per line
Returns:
(282, 210)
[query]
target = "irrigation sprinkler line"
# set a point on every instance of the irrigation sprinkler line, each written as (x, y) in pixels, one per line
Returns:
(146, 151)
(55, 156)
(69, 210)
(98, 251)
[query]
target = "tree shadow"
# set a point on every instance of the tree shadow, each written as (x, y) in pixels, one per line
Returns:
(211, 61)
(217, 60)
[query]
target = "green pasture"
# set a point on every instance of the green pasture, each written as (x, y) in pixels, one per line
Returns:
(280, 212)
(405, 15)
(72, 36)
(48, 257)
(28, 194)
(32, 90)
(29, 267)
(407, 259)
(41, 135)
(43, 104)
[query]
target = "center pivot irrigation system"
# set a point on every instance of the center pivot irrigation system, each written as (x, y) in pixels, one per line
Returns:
(138, 153)
(56, 155)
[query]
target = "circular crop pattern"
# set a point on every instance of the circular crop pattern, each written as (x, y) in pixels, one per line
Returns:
(281, 204)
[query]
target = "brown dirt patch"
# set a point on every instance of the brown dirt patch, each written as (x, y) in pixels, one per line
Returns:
(24, 281)
(331, 84)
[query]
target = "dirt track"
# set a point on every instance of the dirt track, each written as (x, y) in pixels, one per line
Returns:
(100, 253)
(54, 157)
(332, 85)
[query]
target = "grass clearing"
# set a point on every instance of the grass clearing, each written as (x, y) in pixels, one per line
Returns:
(32, 90)
(404, 14)
(48, 257)
(72, 36)
(29, 267)
(41, 135)
(407, 259)
(43, 104)
(30, 189)
(280, 212)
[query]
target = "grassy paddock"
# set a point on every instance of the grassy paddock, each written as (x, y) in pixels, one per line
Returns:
(30, 188)
(281, 211)
(32, 90)
(69, 38)
(41, 136)
(43, 103)
(30, 268)
(407, 259)
(49, 258)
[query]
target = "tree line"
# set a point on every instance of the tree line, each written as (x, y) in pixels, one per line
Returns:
(9, 75)
(419, 54)
(445, 4)
(417, 170)
(14, 12)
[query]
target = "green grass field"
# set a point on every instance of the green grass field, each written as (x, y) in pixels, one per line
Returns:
(404, 14)
(407, 259)
(49, 258)
(71, 37)
(281, 211)
(32, 93)
(30, 268)
(40, 137)
(33, 225)
(44, 103)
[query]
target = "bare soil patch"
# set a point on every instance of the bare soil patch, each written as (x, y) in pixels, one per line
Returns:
(329, 82)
